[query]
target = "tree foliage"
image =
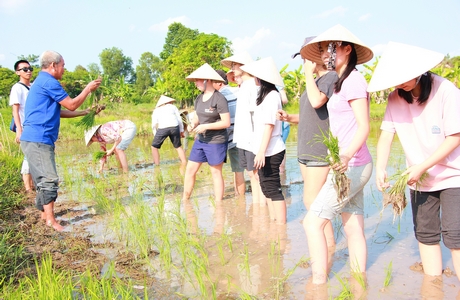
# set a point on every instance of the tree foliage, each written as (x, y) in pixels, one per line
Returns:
(177, 33)
(33, 59)
(7, 78)
(147, 72)
(189, 56)
(294, 82)
(115, 63)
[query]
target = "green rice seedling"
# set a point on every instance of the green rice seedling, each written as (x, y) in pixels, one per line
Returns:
(341, 181)
(388, 274)
(98, 155)
(346, 292)
(396, 195)
(360, 278)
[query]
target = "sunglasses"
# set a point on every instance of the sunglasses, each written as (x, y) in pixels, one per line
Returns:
(25, 69)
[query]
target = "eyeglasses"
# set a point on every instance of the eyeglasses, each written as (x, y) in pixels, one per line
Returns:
(25, 69)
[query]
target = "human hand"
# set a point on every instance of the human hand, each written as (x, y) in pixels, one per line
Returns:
(93, 85)
(200, 128)
(182, 135)
(342, 166)
(259, 160)
(415, 172)
(281, 115)
(309, 67)
(18, 135)
(381, 180)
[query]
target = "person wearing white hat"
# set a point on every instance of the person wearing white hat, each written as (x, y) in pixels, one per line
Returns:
(210, 122)
(348, 109)
(313, 120)
(268, 146)
(423, 111)
(119, 133)
(243, 130)
(167, 122)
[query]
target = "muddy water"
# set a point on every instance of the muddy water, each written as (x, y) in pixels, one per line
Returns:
(263, 253)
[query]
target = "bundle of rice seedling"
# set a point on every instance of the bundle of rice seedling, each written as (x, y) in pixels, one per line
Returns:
(396, 195)
(341, 181)
(87, 121)
(98, 155)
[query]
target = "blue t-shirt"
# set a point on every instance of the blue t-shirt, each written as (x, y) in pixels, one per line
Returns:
(42, 111)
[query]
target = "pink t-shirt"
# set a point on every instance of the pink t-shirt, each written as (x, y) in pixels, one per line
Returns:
(422, 129)
(342, 120)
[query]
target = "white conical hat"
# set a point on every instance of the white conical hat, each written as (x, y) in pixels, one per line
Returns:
(242, 58)
(264, 69)
(205, 72)
(89, 134)
(400, 63)
(164, 99)
(336, 33)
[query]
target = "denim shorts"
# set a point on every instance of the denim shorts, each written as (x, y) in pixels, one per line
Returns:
(246, 159)
(234, 160)
(127, 136)
(326, 204)
(436, 213)
(43, 170)
(213, 154)
(162, 133)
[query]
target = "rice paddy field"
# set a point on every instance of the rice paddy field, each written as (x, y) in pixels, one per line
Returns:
(130, 236)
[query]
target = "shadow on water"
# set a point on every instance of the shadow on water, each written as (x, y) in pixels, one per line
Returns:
(202, 249)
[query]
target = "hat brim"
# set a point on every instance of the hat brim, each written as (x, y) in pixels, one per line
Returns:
(164, 99)
(241, 58)
(401, 63)
(90, 133)
(337, 33)
(205, 72)
(264, 69)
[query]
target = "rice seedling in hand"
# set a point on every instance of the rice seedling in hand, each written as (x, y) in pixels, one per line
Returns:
(396, 195)
(87, 121)
(98, 155)
(341, 181)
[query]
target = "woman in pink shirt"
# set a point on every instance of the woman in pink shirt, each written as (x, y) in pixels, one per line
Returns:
(118, 133)
(423, 111)
(348, 110)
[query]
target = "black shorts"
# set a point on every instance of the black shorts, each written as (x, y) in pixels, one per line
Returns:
(163, 133)
(269, 177)
(246, 159)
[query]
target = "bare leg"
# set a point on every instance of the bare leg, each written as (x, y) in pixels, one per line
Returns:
(456, 260)
(357, 248)
(280, 211)
(431, 259)
(317, 246)
(181, 153)
(28, 183)
(49, 215)
(218, 180)
(239, 183)
(156, 156)
(189, 178)
(122, 159)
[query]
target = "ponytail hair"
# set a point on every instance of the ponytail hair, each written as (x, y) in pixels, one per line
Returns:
(351, 65)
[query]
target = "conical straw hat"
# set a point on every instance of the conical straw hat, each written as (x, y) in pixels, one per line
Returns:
(336, 33)
(264, 69)
(400, 63)
(241, 58)
(89, 134)
(205, 72)
(164, 99)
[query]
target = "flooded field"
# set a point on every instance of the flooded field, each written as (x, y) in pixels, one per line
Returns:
(200, 249)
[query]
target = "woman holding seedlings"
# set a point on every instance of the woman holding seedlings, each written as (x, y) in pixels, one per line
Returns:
(268, 145)
(210, 123)
(423, 111)
(348, 110)
(313, 120)
(119, 133)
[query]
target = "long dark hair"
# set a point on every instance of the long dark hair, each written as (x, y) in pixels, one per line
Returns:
(425, 82)
(351, 65)
(265, 89)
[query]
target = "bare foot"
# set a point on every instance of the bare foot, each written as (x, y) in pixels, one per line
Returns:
(55, 225)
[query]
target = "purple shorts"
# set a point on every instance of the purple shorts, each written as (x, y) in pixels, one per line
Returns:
(213, 154)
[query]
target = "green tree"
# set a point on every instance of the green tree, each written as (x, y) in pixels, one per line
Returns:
(74, 82)
(32, 59)
(7, 78)
(294, 82)
(116, 64)
(147, 72)
(94, 70)
(189, 56)
(177, 33)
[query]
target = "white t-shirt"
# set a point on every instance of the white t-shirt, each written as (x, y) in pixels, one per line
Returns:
(245, 104)
(166, 116)
(18, 95)
(265, 113)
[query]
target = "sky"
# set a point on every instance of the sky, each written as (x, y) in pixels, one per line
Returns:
(80, 30)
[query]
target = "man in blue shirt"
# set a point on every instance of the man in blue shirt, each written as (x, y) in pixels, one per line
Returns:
(41, 129)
